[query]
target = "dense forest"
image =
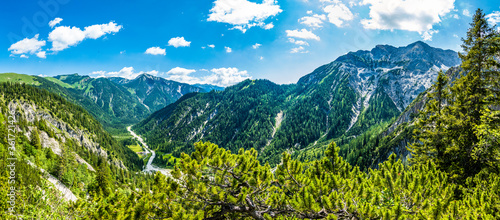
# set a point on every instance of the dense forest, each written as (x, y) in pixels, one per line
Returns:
(452, 171)
(40, 117)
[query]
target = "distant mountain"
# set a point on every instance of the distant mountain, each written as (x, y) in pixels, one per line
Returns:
(339, 100)
(402, 72)
(113, 99)
(156, 92)
(115, 102)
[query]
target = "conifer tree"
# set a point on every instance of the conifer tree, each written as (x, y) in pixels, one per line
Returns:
(102, 178)
(475, 94)
(431, 124)
(35, 139)
(463, 136)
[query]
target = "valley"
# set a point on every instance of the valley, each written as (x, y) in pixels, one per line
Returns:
(149, 168)
(336, 102)
(389, 132)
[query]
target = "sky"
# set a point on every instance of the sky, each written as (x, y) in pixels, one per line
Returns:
(220, 42)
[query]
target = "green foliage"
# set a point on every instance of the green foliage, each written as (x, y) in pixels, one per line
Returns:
(212, 183)
(36, 198)
(102, 179)
(71, 114)
(462, 136)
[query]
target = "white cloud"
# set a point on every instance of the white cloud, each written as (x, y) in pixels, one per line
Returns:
(125, 72)
(55, 22)
(298, 42)
(456, 16)
(493, 18)
(304, 34)
(313, 21)
(27, 46)
(228, 49)
(180, 74)
(243, 14)
(98, 74)
(63, 37)
(180, 71)
(268, 26)
(257, 45)
(24, 56)
(226, 76)
(309, 12)
(211, 46)
(261, 58)
(466, 13)
(427, 35)
(99, 30)
(184, 79)
(218, 76)
(155, 51)
(410, 15)
(179, 42)
(338, 13)
(299, 49)
(41, 54)
(456, 36)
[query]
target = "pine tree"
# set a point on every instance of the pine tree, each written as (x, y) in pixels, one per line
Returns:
(102, 178)
(474, 95)
(431, 130)
(35, 139)
(462, 137)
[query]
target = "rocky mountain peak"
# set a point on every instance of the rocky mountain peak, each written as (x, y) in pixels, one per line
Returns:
(400, 72)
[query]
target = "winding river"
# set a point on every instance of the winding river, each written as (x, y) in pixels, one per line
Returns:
(150, 168)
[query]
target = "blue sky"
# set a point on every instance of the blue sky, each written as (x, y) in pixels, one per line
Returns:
(217, 41)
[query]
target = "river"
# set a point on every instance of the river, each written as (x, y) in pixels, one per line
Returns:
(150, 168)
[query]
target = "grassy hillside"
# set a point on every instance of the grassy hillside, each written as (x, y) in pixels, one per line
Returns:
(20, 78)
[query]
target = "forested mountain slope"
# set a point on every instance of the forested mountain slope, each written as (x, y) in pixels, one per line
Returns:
(59, 120)
(341, 99)
(379, 142)
(65, 90)
(115, 102)
(241, 116)
(155, 92)
(55, 141)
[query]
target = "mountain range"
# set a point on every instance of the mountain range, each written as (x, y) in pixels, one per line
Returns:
(350, 97)
(365, 101)
(116, 102)
(338, 101)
